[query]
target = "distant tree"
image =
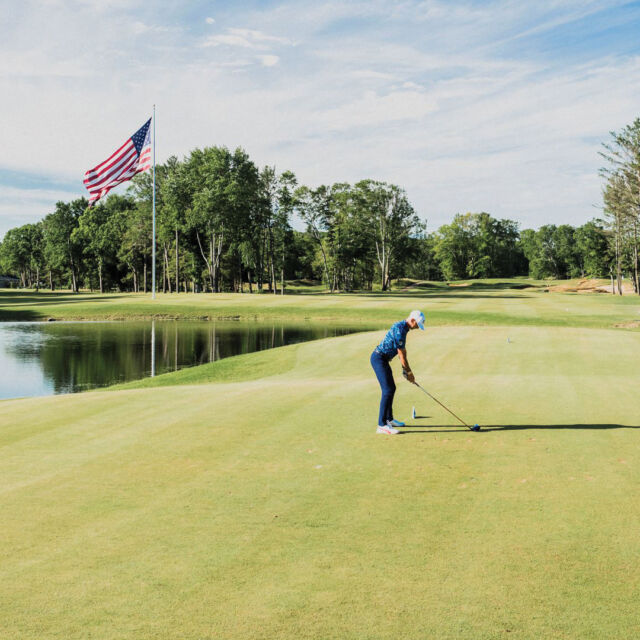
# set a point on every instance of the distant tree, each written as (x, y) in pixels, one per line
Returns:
(476, 245)
(542, 252)
(282, 204)
(553, 252)
(21, 253)
(413, 261)
(454, 249)
(566, 252)
(313, 206)
(36, 258)
(622, 197)
(221, 221)
(498, 239)
(422, 263)
(354, 259)
(176, 197)
(209, 174)
(141, 189)
(592, 249)
(301, 256)
(391, 221)
(133, 226)
(243, 199)
(99, 236)
(62, 250)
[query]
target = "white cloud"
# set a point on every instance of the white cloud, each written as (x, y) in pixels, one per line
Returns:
(23, 195)
(20, 206)
(210, 20)
(228, 39)
(246, 38)
(372, 109)
(140, 28)
(259, 36)
(269, 60)
(370, 74)
(101, 5)
(575, 10)
(37, 64)
(414, 94)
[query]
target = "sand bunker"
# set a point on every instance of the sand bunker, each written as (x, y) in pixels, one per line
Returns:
(589, 285)
(634, 324)
(627, 288)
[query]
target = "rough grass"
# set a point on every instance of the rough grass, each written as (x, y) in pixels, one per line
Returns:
(254, 500)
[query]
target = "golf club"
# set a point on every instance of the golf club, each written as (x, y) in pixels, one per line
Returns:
(476, 427)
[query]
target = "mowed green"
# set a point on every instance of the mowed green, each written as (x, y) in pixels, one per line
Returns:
(260, 503)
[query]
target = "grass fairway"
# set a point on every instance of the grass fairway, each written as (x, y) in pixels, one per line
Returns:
(252, 499)
(482, 302)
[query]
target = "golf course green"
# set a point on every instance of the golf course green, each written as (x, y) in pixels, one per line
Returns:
(251, 498)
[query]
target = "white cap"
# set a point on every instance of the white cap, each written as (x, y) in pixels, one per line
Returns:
(418, 316)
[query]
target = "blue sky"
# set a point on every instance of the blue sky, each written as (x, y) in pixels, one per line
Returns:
(470, 106)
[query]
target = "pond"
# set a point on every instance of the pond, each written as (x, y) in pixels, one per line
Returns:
(45, 358)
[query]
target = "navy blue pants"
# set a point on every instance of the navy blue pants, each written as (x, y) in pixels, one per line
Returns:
(381, 366)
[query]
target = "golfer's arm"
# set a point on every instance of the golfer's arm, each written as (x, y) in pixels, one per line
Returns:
(402, 354)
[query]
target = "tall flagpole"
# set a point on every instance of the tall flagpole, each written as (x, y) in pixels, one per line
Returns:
(153, 254)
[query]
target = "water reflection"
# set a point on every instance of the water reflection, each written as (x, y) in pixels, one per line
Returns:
(62, 357)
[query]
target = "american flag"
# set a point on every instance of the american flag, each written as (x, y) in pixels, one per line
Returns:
(132, 157)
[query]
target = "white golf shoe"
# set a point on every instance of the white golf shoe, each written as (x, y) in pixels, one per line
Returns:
(396, 423)
(388, 429)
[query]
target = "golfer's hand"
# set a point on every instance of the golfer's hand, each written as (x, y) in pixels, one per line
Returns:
(410, 377)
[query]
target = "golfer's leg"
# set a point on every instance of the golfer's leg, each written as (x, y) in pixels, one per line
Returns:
(389, 394)
(378, 363)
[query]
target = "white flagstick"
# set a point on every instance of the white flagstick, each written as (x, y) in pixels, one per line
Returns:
(153, 254)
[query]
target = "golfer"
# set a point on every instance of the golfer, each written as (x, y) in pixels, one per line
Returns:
(393, 343)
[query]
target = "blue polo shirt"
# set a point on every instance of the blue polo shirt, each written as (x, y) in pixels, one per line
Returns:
(395, 339)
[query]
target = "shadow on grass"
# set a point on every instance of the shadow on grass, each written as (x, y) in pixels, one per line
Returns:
(430, 289)
(11, 304)
(420, 428)
(498, 285)
(426, 295)
(21, 315)
(51, 299)
(454, 293)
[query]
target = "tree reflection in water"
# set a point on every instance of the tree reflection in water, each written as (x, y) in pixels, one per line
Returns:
(63, 357)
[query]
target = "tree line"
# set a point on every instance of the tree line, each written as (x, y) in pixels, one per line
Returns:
(621, 196)
(224, 224)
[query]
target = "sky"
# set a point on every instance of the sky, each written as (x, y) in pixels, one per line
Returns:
(497, 106)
